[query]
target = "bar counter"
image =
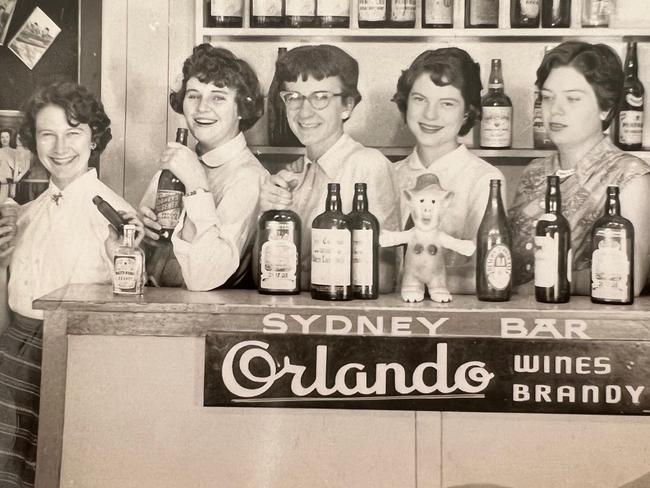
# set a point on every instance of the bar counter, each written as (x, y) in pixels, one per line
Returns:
(122, 398)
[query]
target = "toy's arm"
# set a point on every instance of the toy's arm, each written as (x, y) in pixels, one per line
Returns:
(464, 247)
(389, 238)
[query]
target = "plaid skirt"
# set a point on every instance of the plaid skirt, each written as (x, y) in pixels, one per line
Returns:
(21, 348)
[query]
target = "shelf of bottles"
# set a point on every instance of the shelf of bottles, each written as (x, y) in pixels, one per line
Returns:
(504, 20)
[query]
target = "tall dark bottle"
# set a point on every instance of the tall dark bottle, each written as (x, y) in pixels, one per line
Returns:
(331, 251)
(556, 13)
(481, 13)
(628, 130)
(280, 134)
(496, 109)
(493, 250)
(438, 14)
(112, 215)
(333, 13)
(222, 13)
(553, 256)
(169, 197)
(266, 13)
(612, 258)
(524, 13)
(279, 243)
(365, 246)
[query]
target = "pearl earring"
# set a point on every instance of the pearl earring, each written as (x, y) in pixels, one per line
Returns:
(93, 146)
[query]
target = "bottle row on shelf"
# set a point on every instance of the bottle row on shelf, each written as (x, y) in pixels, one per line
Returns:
(400, 13)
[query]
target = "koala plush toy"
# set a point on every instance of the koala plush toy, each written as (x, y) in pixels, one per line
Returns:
(424, 263)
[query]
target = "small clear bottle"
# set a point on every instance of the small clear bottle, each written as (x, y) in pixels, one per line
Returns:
(128, 265)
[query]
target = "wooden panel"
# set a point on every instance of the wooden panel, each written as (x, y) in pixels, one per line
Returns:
(114, 72)
(146, 92)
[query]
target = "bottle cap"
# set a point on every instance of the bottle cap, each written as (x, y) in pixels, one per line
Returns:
(97, 199)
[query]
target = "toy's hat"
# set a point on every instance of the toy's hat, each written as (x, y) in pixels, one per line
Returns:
(425, 181)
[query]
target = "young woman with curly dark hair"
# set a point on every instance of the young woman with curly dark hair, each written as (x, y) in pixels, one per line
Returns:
(219, 98)
(57, 239)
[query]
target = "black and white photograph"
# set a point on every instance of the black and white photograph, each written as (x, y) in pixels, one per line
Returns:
(326, 243)
(6, 12)
(34, 38)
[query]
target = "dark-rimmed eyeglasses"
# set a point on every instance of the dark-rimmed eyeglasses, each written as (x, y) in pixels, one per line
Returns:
(318, 99)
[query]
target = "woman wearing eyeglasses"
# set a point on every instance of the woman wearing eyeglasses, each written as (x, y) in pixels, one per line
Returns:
(220, 97)
(318, 85)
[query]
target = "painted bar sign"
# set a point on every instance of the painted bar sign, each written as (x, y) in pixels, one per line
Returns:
(251, 369)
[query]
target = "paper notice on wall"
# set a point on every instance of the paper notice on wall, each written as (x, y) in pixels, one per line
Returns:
(34, 38)
(7, 8)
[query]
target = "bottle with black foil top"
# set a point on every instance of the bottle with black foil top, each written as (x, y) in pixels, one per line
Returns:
(612, 258)
(365, 246)
(169, 197)
(496, 110)
(553, 255)
(493, 250)
(279, 240)
(628, 130)
(331, 251)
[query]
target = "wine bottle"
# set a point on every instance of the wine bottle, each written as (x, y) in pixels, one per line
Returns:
(493, 250)
(524, 13)
(300, 13)
(612, 259)
(331, 251)
(279, 243)
(553, 253)
(402, 14)
(266, 13)
(481, 13)
(438, 14)
(496, 109)
(280, 134)
(595, 13)
(556, 13)
(373, 13)
(222, 13)
(112, 215)
(169, 197)
(365, 246)
(333, 13)
(628, 129)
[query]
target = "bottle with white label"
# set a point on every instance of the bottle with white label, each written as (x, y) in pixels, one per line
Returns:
(279, 242)
(481, 13)
(496, 112)
(331, 251)
(612, 258)
(553, 254)
(333, 13)
(300, 13)
(222, 13)
(628, 129)
(493, 250)
(365, 246)
(595, 13)
(128, 265)
(373, 13)
(438, 14)
(402, 14)
(266, 13)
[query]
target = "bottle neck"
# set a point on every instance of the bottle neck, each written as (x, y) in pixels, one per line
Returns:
(333, 203)
(553, 202)
(631, 66)
(612, 205)
(128, 239)
(496, 204)
(360, 203)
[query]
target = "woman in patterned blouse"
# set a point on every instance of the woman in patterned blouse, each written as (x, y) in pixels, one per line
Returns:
(582, 88)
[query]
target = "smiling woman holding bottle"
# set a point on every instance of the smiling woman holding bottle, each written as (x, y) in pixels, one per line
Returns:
(318, 85)
(581, 86)
(439, 96)
(219, 98)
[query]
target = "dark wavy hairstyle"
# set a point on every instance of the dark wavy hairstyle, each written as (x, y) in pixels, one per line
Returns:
(12, 136)
(80, 107)
(445, 66)
(222, 68)
(319, 62)
(600, 66)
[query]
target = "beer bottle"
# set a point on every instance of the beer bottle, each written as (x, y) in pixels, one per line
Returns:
(496, 109)
(222, 13)
(280, 134)
(612, 259)
(169, 198)
(595, 13)
(266, 13)
(481, 13)
(628, 130)
(438, 14)
(553, 254)
(556, 13)
(331, 251)
(300, 13)
(524, 13)
(333, 13)
(365, 246)
(112, 215)
(128, 265)
(373, 13)
(402, 14)
(493, 251)
(279, 241)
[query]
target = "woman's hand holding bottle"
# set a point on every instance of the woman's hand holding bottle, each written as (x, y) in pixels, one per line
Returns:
(276, 192)
(184, 163)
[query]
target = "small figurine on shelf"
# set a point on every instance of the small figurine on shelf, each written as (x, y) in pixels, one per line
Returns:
(424, 263)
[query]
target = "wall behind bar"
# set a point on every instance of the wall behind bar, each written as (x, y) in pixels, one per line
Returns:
(145, 44)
